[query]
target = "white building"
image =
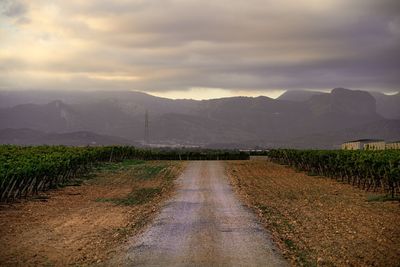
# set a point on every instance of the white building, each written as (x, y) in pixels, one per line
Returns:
(367, 144)
(393, 145)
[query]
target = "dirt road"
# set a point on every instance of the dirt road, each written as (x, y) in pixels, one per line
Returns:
(204, 225)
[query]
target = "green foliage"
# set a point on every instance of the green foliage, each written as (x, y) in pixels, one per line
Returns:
(149, 172)
(380, 198)
(370, 170)
(27, 170)
(136, 197)
(118, 166)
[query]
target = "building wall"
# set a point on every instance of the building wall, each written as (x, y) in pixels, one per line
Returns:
(375, 146)
(351, 146)
(395, 145)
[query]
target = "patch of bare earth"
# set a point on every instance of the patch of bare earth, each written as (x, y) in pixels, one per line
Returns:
(73, 226)
(317, 221)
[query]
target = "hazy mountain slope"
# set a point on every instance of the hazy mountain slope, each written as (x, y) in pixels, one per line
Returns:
(138, 102)
(388, 130)
(343, 101)
(298, 95)
(343, 108)
(191, 129)
(107, 117)
(263, 116)
(51, 117)
(387, 105)
(128, 101)
(33, 137)
(240, 120)
(100, 117)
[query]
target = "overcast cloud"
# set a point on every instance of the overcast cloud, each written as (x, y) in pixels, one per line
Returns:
(178, 45)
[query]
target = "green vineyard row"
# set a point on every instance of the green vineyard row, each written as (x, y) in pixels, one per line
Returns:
(370, 170)
(27, 170)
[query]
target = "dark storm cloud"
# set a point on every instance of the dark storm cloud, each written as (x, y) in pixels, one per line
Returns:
(12, 8)
(177, 44)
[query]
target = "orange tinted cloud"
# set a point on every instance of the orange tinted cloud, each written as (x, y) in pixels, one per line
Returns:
(178, 45)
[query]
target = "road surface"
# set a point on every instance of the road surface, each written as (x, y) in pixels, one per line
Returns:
(204, 224)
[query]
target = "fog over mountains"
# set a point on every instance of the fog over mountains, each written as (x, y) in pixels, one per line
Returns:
(302, 119)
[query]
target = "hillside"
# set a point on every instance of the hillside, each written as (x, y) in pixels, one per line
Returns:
(33, 137)
(298, 95)
(387, 105)
(236, 120)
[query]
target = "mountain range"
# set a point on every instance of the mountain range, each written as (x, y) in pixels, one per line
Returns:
(303, 119)
(82, 138)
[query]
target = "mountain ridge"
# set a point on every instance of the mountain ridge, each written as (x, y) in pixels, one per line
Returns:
(26, 136)
(242, 120)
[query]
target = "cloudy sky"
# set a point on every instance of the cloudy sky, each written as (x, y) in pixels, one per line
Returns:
(200, 49)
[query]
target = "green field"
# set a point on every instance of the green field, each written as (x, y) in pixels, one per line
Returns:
(370, 170)
(27, 170)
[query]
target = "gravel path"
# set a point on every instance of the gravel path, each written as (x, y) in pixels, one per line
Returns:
(204, 224)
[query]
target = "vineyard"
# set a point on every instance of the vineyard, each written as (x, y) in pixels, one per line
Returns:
(369, 170)
(25, 171)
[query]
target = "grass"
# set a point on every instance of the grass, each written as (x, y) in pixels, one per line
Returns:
(289, 243)
(283, 226)
(148, 172)
(118, 166)
(140, 169)
(141, 172)
(276, 216)
(136, 197)
(302, 257)
(382, 198)
(75, 182)
(41, 197)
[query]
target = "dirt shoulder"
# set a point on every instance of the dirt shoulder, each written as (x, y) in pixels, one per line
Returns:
(83, 225)
(317, 221)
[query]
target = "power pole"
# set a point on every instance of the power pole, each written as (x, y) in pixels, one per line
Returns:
(146, 127)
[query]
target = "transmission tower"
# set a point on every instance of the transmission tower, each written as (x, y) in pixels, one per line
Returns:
(146, 127)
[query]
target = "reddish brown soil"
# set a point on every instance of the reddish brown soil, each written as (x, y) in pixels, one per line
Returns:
(316, 220)
(71, 227)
